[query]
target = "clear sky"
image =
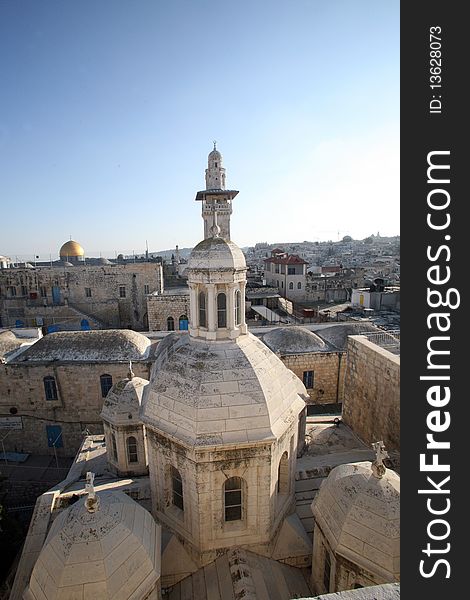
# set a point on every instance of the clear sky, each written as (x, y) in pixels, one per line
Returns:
(108, 109)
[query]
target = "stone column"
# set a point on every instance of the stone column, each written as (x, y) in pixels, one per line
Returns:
(211, 312)
(193, 308)
(242, 326)
(230, 293)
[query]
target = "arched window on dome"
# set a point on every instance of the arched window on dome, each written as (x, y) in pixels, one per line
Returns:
(106, 383)
(176, 488)
(238, 307)
(222, 310)
(131, 444)
(233, 499)
(283, 475)
(170, 324)
(114, 447)
(291, 285)
(202, 310)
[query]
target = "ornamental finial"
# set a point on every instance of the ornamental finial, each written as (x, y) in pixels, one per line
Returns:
(378, 468)
(130, 373)
(92, 502)
(215, 144)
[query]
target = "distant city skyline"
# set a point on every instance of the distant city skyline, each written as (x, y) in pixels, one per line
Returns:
(109, 112)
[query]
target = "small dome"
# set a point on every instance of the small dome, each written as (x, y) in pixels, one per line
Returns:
(359, 514)
(224, 392)
(103, 261)
(216, 254)
(111, 553)
(121, 405)
(71, 249)
(294, 340)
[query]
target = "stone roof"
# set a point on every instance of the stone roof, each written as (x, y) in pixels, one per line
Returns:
(111, 553)
(224, 392)
(240, 573)
(106, 345)
(8, 343)
(337, 335)
(295, 340)
(216, 254)
(121, 405)
(387, 591)
(359, 514)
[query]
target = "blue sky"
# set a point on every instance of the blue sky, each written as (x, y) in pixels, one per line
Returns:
(108, 110)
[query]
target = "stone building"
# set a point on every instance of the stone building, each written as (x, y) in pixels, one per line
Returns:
(169, 310)
(79, 294)
(288, 273)
(54, 389)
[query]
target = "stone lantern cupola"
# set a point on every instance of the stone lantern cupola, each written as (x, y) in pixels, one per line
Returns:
(123, 430)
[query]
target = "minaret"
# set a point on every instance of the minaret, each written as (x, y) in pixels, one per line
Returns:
(216, 197)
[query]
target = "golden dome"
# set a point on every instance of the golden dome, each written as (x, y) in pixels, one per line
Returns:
(71, 249)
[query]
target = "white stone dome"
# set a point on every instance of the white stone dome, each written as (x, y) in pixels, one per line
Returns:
(359, 514)
(111, 553)
(121, 405)
(216, 254)
(223, 392)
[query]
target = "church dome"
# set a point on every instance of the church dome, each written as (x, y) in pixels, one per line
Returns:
(71, 249)
(111, 553)
(359, 514)
(104, 261)
(294, 340)
(121, 405)
(216, 254)
(224, 392)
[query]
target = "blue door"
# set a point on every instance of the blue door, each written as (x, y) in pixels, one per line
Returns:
(55, 294)
(19, 323)
(84, 325)
(54, 436)
(183, 323)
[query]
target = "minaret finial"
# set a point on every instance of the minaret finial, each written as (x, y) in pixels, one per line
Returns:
(130, 374)
(215, 144)
(92, 502)
(215, 229)
(378, 468)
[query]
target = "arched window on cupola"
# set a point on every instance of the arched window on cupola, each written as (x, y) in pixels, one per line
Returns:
(170, 324)
(132, 456)
(222, 310)
(291, 285)
(238, 307)
(176, 488)
(233, 499)
(202, 310)
(114, 447)
(283, 475)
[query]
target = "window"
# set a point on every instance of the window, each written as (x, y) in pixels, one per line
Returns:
(106, 382)
(50, 388)
(283, 475)
(170, 324)
(308, 379)
(326, 571)
(146, 289)
(291, 270)
(238, 302)
(233, 499)
(299, 286)
(202, 310)
(114, 447)
(282, 284)
(122, 291)
(88, 292)
(277, 268)
(12, 290)
(24, 290)
(131, 444)
(43, 291)
(291, 286)
(176, 487)
(221, 310)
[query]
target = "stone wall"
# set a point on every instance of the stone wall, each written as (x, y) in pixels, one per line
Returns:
(328, 374)
(371, 405)
(78, 405)
(93, 289)
(160, 307)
